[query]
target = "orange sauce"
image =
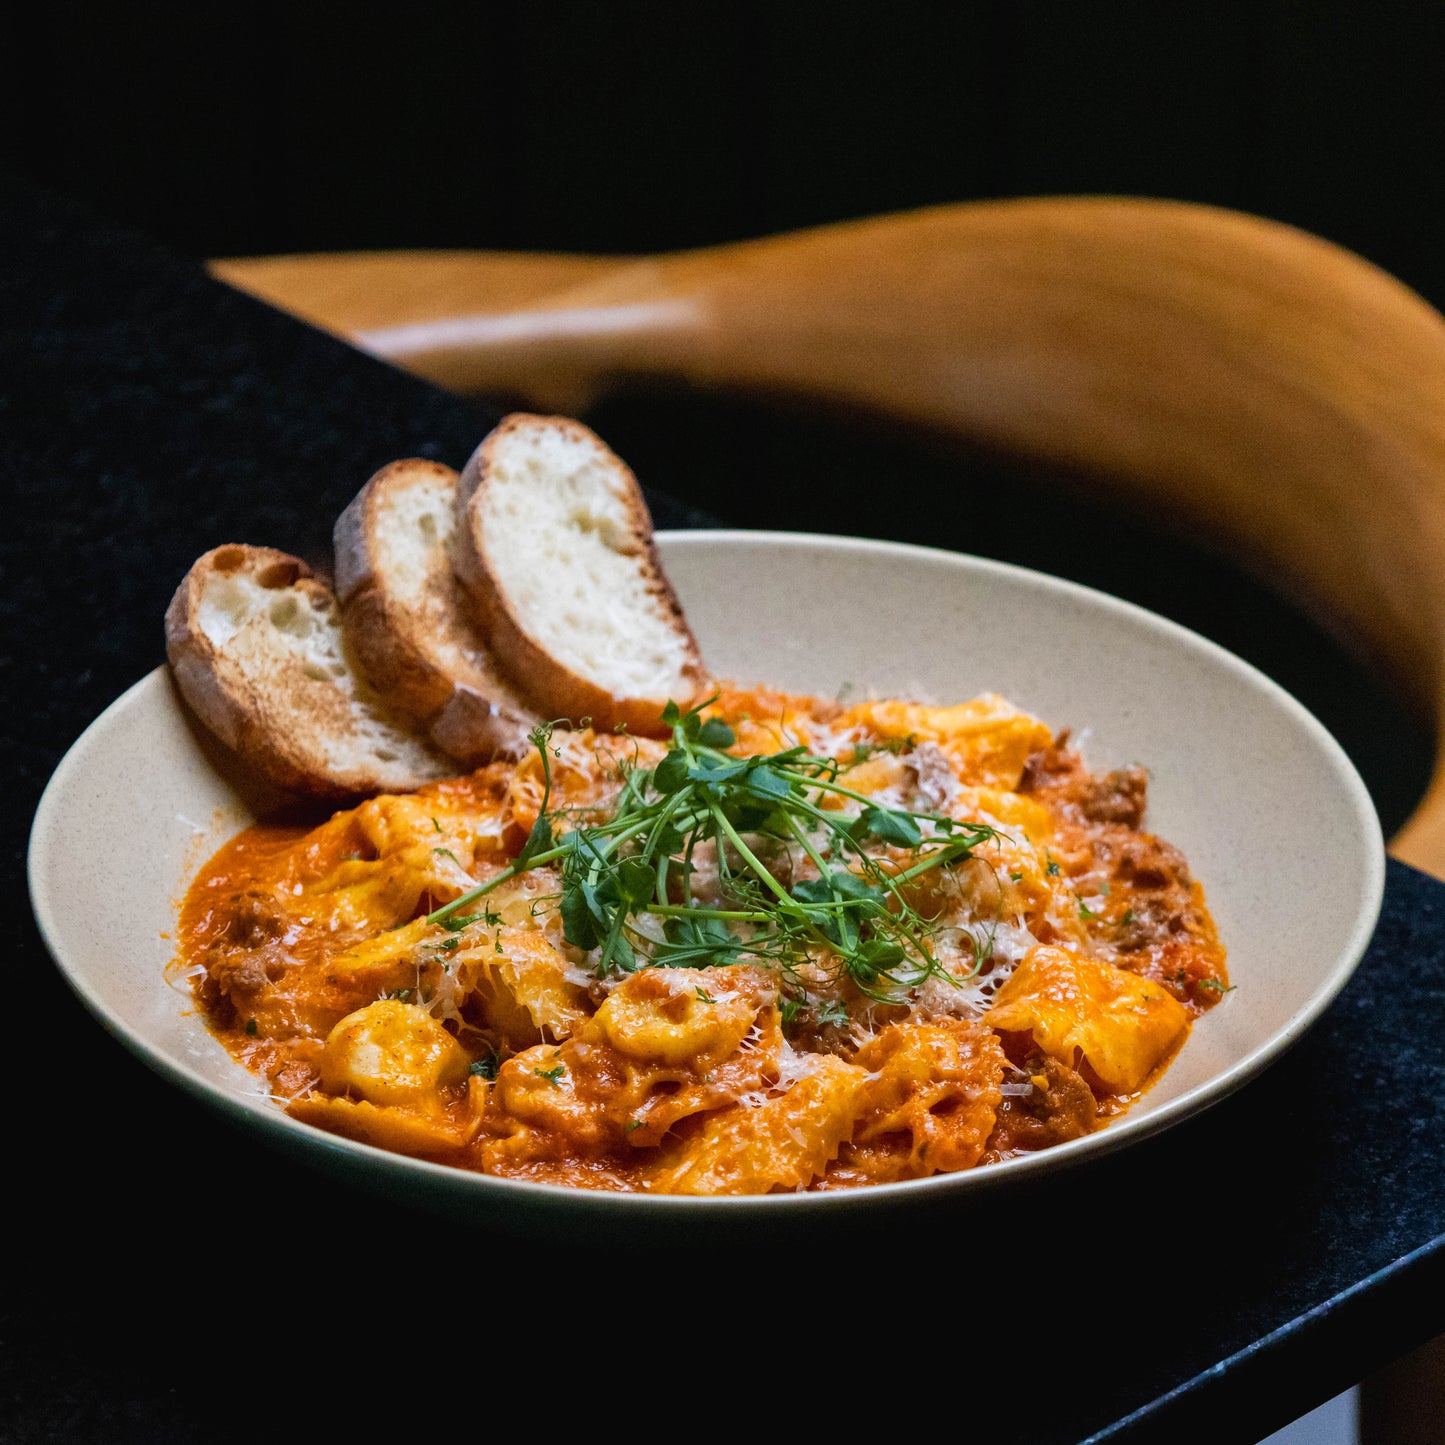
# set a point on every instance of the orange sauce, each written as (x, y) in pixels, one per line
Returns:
(297, 931)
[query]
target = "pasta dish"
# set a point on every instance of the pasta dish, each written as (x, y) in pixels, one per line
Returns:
(793, 945)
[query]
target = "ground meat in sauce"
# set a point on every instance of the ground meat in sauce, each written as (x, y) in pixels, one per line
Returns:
(1148, 924)
(1060, 1106)
(1147, 914)
(248, 953)
(1117, 797)
(1058, 775)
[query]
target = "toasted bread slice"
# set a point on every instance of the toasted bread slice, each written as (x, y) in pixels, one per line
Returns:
(554, 547)
(407, 621)
(256, 646)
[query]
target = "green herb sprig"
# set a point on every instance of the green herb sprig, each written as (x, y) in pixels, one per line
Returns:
(626, 890)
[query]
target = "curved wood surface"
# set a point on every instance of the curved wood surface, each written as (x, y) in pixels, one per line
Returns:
(1255, 381)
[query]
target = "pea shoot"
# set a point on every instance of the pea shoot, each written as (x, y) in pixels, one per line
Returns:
(808, 871)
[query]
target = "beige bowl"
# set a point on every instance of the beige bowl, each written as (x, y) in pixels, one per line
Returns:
(1265, 805)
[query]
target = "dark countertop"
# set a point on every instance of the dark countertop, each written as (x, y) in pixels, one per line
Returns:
(166, 1276)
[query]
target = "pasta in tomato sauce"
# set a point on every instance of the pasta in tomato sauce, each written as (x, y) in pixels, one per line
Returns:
(795, 945)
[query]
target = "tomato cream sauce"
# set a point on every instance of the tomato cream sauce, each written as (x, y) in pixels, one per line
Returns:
(949, 944)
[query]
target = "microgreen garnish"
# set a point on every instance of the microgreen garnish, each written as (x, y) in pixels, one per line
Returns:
(486, 1066)
(458, 921)
(799, 878)
(894, 746)
(553, 1075)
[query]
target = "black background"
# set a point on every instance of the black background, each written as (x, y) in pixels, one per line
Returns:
(642, 125)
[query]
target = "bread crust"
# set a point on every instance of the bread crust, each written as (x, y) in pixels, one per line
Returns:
(380, 629)
(277, 716)
(397, 641)
(475, 729)
(554, 687)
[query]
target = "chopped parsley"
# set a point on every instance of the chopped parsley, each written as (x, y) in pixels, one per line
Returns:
(486, 1067)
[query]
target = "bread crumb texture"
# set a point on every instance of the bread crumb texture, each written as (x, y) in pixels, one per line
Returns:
(281, 639)
(586, 580)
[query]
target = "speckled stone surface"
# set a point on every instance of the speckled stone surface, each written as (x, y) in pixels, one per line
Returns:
(162, 1275)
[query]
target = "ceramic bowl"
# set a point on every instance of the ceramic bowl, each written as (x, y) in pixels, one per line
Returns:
(1263, 802)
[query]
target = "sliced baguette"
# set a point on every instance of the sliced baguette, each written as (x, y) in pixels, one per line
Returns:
(256, 646)
(408, 622)
(554, 548)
